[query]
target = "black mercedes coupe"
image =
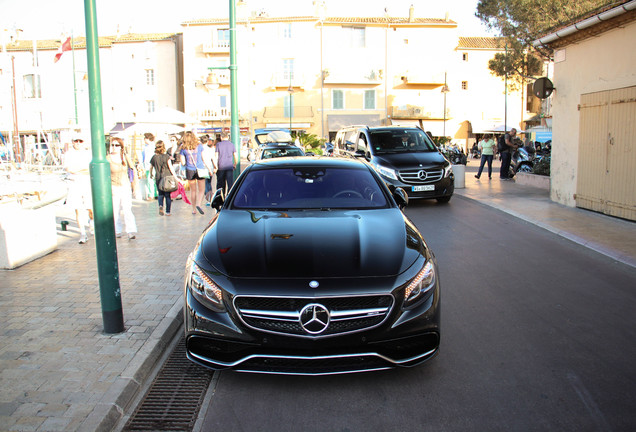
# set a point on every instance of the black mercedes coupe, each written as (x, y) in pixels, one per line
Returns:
(310, 267)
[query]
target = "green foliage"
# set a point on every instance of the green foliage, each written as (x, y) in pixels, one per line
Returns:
(521, 22)
(542, 167)
(440, 141)
(311, 142)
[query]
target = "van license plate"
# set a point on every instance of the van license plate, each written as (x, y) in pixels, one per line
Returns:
(423, 188)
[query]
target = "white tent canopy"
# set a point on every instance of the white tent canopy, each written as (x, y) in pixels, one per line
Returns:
(155, 128)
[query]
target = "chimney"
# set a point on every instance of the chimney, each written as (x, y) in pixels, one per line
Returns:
(411, 14)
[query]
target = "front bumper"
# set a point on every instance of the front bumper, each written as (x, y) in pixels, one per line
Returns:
(441, 188)
(221, 340)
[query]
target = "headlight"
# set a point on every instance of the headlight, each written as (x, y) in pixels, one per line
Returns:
(420, 285)
(448, 169)
(386, 172)
(204, 288)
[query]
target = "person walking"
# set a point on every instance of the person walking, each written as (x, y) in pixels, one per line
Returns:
(149, 191)
(506, 154)
(196, 169)
(226, 155)
(122, 194)
(209, 156)
(160, 167)
(79, 198)
(487, 148)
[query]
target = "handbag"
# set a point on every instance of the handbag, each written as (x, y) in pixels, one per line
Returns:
(168, 184)
(203, 173)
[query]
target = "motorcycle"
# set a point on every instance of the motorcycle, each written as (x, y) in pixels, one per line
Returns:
(522, 161)
(455, 155)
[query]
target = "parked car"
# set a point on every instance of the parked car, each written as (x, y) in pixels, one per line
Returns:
(405, 157)
(311, 267)
(269, 151)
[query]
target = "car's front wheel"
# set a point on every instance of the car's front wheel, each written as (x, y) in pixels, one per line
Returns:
(444, 199)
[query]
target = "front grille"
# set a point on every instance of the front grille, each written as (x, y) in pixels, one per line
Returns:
(283, 314)
(413, 176)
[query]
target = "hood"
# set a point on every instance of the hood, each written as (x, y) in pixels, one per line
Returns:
(312, 244)
(411, 160)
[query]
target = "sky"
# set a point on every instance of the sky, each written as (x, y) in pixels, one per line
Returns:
(51, 19)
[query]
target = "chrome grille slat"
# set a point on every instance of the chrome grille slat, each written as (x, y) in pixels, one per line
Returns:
(282, 315)
(411, 176)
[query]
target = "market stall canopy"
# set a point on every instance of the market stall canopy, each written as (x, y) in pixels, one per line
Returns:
(141, 128)
(166, 115)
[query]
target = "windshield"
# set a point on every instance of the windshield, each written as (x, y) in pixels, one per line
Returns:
(309, 188)
(282, 152)
(400, 141)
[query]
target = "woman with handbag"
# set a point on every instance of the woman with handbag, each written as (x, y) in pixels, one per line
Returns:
(197, 170)
(162, 171)
(122, 193)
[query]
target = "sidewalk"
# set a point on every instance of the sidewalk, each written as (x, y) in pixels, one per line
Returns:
(59, 372)
(607, 235)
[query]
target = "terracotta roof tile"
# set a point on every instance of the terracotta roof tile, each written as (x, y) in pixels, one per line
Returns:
(80, 41)
(490, 43)
(329, 20)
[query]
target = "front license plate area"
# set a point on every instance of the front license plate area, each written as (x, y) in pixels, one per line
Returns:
(423, 188)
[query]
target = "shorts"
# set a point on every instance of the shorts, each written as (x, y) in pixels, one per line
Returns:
(192, 175)
(79, 193)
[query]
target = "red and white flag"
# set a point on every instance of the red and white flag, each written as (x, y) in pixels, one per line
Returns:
(66, 46)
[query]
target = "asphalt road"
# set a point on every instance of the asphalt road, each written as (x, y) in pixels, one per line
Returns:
(537, 335)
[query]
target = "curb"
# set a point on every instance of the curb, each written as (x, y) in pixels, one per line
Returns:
(106, 416)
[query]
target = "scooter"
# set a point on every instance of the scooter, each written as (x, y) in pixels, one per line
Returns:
(522, 161)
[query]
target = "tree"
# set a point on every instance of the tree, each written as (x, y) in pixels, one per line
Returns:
(520, 22)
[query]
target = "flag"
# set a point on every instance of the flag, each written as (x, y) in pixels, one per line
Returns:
(66, 46)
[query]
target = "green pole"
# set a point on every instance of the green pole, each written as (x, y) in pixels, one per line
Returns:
(74, 77)
(105, 244)
(234, 136)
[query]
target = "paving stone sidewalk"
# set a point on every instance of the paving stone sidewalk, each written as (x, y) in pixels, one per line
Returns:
(58, 370)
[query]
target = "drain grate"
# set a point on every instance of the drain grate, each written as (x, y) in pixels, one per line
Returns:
(174, 398)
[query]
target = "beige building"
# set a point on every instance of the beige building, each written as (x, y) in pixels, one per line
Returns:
(594, 112)
(139, 74)
(320, 74)
(313, 73)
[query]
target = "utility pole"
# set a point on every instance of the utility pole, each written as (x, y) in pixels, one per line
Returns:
(235, 136)
(105, 242)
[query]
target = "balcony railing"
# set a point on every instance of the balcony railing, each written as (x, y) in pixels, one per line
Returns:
(214, 114)
(219, 47)
(282, 79)
(280, 113)
(417, 112)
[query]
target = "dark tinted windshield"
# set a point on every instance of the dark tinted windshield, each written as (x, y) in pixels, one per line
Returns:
(401, 140)
(309, 188)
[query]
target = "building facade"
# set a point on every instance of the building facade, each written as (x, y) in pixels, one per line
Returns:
(594, 112)
(139, 74)
(317, 74)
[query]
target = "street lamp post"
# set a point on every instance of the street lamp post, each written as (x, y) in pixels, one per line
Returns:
(291, 91)
(445, 90)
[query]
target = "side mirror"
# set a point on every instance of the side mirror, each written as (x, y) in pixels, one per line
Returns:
(309, 153)
(218, 199)
(401, 197)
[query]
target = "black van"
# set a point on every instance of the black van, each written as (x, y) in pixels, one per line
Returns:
(405, 157)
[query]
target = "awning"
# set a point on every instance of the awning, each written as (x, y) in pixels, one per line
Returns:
(121, 126)
(338, 121)
(436, 127)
